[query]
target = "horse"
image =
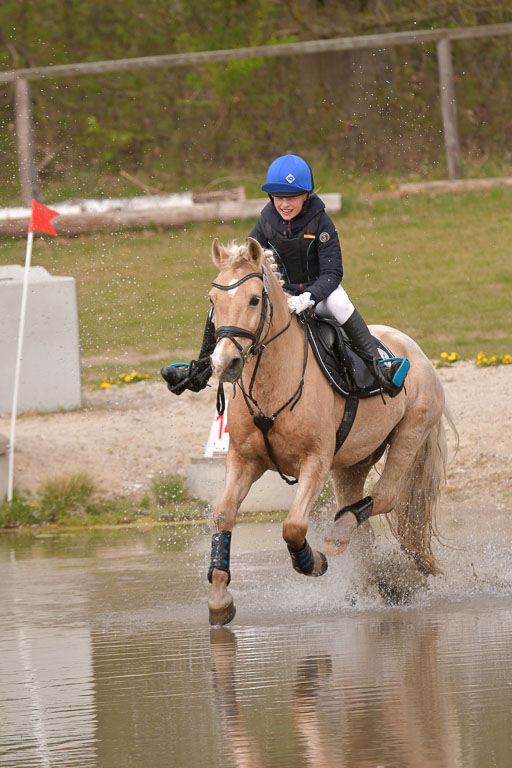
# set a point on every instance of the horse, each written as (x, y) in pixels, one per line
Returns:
(284, 414)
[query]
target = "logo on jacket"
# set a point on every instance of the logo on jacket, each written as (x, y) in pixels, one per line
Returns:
(290, 178)
(324, 237)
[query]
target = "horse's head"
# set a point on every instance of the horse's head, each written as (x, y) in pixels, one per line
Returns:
(243, 311)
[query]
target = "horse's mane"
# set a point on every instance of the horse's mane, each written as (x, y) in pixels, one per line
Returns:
(237, 254)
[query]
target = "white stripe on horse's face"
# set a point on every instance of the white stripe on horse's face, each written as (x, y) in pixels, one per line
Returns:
(226, 361)
(218, 357)
(232, 291)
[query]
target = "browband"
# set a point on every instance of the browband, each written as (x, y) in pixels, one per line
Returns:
(239, 282)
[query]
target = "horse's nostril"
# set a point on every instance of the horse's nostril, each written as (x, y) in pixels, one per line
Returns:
(234, 367)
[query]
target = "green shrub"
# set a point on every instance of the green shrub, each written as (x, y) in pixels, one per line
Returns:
(64, 496)
(174, 501)
(18, 511)
(169, 489)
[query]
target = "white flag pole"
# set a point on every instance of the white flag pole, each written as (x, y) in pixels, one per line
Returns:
(19, 355)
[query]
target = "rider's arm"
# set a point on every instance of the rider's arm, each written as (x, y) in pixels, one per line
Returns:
(329, 259)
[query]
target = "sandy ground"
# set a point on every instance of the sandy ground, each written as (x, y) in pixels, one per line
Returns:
(127, 435)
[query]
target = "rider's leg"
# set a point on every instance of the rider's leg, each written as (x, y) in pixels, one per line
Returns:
(339, 306)
(194, 376)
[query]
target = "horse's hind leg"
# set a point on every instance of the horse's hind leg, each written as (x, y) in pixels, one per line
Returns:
(240, 475)
(409, 484)
(349, 488)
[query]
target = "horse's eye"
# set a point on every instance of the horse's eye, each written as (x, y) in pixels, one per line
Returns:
(254, 301)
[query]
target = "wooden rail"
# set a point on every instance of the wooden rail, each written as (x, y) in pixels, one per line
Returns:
(442, 38)
(384, 40)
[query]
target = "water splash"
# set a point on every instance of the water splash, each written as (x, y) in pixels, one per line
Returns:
(363, 579)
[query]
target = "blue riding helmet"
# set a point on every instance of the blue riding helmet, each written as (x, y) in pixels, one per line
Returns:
(288, 176)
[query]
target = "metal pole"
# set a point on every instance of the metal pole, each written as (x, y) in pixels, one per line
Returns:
(25, 139)
(19, 358)
(449, 109)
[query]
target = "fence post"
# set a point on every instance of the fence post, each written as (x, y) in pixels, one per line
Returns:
(25, 140)
(448, 108)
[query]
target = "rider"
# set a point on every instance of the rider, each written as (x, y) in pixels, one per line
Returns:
(305, 243)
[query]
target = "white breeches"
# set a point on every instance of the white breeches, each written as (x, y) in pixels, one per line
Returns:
(337, 305)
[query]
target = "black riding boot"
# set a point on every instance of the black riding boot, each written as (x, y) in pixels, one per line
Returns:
(196, 374)
(360, 336)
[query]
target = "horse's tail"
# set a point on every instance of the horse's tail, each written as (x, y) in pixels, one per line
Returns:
(414, 519)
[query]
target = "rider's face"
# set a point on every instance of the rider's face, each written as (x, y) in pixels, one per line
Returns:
(290, 207)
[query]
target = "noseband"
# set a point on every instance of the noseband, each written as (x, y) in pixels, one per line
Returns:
(230, 331)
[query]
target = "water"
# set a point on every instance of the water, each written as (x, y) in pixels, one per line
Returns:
(107, 659)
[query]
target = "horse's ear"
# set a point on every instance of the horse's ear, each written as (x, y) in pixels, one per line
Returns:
(219, 254)
(254, 251)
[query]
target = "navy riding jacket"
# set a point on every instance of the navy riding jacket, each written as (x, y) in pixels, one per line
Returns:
(307, 248)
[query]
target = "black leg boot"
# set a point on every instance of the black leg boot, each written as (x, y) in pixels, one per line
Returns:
(194, 376)
(360, 336)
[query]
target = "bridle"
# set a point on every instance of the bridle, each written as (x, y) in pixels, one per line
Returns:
(230, 331)
(264, 423)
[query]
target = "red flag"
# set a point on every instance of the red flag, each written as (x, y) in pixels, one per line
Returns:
(40, 218)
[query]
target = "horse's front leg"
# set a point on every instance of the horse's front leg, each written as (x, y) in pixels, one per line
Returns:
(240, 475)
(304, 559)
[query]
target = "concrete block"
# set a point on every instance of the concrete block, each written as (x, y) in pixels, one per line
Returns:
(206, 476)
(4, 466)
(50, 369)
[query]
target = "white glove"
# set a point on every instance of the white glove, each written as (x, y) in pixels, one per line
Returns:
(301, 302)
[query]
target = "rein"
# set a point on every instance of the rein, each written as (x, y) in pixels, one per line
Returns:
(262, 422)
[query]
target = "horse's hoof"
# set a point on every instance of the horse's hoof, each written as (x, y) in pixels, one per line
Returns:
(338, 538)
(334, 546)
(221, 616)
(321, 566)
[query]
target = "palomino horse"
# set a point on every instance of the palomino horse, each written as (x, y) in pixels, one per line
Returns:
(285, 416)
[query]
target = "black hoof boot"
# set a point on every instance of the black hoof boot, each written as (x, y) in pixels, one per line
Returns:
(303, 561)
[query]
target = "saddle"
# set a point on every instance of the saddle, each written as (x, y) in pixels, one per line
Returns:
(344, 368)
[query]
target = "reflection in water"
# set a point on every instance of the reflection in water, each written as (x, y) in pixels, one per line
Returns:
(238, 741)
(339, 720)
(107, 661)
(312, 675)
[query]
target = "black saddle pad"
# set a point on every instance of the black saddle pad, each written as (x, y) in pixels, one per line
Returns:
(345, 370)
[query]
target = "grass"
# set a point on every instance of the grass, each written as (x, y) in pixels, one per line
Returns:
(73, 501)
(438, 267)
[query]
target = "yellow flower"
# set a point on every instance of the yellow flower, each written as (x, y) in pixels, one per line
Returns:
(444, 354)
